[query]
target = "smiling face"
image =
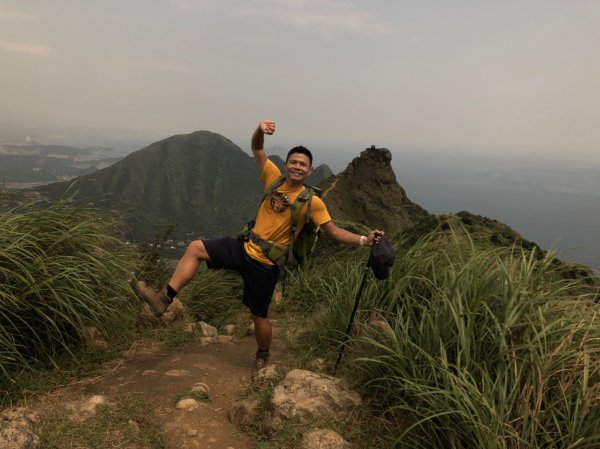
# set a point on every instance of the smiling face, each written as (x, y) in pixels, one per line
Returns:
(297, 168)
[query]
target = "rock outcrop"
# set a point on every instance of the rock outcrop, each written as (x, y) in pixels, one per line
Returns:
(17, 429)
(324, 439)
(367, 192)
(306, 396)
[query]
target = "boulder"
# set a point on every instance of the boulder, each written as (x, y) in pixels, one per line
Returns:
(307, 396)
(324, 439)
(84, 408)
(187, 404)
(17, 429)
(207, 330)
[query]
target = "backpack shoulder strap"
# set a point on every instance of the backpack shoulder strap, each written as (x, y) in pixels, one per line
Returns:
(276, 183)
(304, 197)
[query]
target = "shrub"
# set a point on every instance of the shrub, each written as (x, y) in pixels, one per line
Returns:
(61, 269)
(484, 348)
(214, 296)
(463, 347)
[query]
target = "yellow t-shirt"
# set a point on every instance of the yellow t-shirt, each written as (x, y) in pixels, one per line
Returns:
(274, 217)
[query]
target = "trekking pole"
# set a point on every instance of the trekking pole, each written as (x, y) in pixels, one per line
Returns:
(356, 302)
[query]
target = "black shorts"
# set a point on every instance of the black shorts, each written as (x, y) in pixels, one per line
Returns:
(259, 278)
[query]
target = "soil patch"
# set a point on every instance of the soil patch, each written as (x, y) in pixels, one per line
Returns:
(161, 376)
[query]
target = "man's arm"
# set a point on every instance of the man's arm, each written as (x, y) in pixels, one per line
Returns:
(258, 142)
(349, 238)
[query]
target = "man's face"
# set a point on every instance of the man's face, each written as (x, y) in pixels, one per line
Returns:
(298, 167)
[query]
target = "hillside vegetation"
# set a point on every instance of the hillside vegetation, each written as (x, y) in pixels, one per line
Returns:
(463, 346)
(478, 339)
(201, 182)
(62, 269)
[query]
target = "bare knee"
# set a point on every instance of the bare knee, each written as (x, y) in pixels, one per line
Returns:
(260, 322)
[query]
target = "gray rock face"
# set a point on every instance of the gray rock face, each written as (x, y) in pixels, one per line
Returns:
(17, 429)
(367, 192)
(207, 330)
(305, 395)
(324, 439)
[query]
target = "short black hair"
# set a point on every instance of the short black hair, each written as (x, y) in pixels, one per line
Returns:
(302, 150)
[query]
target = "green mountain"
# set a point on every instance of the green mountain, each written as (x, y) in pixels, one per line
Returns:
(207, 186)
(201, 182)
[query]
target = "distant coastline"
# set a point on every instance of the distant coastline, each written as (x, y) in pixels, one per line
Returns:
(557, 208)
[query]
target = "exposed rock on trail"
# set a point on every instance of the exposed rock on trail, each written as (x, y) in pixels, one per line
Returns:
(199, 394)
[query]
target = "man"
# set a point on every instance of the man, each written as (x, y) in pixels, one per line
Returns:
(273, 223)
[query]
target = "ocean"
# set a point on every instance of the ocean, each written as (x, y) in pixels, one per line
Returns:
(556, 205)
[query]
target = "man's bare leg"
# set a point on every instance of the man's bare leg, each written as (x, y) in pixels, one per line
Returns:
(187, 266)
(263, 332)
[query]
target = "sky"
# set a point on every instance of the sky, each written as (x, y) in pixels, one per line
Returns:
(512, 77)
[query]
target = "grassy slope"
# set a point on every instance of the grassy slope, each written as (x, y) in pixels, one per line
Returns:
(201, 182)
(465, 346)
(468, 344)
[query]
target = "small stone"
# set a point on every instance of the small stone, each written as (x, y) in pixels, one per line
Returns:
(224, 339)
(207, 340)
(177, 373)
(134, 426)
(200, 387)
(324, 439)
(188, 404)
(230, 329)
(318, 364)
(150, 372)
(84, 408)
(207, 330)
(269, 372)
(191, 328)
(192, 433)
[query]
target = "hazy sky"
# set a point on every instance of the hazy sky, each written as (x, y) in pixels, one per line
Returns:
(512, 76)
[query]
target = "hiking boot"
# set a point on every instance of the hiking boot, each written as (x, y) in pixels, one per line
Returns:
(157, 300)
(262, 358)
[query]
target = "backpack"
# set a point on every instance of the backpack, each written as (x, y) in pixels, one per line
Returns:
(300, 247)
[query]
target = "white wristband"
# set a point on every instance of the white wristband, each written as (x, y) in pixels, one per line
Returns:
(361, 240)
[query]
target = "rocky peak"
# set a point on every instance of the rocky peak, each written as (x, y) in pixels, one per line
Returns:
(367, 192)
(377, 157)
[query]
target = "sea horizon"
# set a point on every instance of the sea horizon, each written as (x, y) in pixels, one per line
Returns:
(556, 207)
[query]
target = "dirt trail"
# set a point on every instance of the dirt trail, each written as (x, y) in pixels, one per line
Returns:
(227, 369)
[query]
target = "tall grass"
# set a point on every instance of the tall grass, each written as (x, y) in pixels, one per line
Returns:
(321, 293)
(61, 269)
(214, 296)
(475, 348)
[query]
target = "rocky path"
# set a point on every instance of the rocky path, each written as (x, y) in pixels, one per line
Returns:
(222, 367)
(160, 377)
(226, 368)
